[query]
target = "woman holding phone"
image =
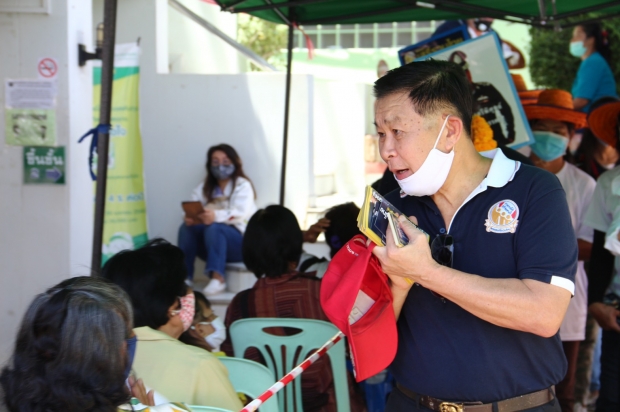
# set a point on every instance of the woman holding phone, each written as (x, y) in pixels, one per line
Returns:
(216, 234)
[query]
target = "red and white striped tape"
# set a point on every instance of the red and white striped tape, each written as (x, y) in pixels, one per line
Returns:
(288, 378)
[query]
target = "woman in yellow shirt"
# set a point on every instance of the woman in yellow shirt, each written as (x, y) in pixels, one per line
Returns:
(154, 278)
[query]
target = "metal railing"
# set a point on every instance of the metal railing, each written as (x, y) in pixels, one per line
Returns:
(367, 36)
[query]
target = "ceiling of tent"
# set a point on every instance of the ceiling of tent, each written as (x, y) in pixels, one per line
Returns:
(554, 12)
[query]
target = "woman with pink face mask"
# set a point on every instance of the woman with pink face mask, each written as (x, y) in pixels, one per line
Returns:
(154, 278)
(207, 330)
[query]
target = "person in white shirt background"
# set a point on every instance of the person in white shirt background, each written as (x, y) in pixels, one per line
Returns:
(604, 272)
(553, 121)
(228, 198)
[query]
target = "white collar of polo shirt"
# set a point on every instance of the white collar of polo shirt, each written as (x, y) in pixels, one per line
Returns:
(502, 169)
(501, 172)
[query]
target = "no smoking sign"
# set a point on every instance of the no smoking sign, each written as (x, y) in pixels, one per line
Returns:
(47, 68)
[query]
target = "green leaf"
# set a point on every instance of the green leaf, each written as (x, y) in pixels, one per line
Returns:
(264, 38)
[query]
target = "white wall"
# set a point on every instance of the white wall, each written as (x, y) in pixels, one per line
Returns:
(183, 115)
(339, 128)
(192, 49)
(44, 230)
(80, 90)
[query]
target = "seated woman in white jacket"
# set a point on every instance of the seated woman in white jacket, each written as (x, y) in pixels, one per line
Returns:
(228, 199)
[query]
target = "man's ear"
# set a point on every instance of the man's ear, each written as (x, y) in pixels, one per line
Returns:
(454, 127)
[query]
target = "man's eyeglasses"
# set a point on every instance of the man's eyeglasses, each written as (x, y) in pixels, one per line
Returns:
(442, 249)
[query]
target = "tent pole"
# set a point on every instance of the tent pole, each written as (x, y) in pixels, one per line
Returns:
(287, 104)
(107, 71)
(542, 7)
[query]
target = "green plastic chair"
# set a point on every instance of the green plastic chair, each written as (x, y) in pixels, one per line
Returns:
(251, 378)
(249, 333)
(197, 408)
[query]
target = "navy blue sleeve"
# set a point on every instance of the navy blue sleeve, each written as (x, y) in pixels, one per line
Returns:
(545, 242)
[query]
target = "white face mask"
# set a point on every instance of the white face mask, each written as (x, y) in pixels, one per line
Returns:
(429, 178)
(216, 338)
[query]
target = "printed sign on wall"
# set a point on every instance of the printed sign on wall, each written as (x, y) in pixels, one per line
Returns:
(44, 165)
(30, 115)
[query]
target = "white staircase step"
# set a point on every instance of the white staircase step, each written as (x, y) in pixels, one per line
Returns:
(238, 277)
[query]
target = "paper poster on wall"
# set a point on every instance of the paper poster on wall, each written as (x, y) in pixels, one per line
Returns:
(494, 94)
(30, 115)
(44, 165)
(30, 127)
(124, 224)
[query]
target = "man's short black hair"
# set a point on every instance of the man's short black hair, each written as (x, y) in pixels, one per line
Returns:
(272, 240)
(342, 226)
(432, 85)
(153, 276)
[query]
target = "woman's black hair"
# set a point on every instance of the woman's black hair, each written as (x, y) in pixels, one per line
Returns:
(272, 241)
(210, 181)
(342, 226)
(587, 150)
(601, 38)
(153, 276)
(69, 350)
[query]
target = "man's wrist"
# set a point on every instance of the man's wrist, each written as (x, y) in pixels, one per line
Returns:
(429, 273)
(400, 291)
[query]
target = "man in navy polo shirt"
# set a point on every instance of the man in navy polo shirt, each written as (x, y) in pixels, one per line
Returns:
(481, 324)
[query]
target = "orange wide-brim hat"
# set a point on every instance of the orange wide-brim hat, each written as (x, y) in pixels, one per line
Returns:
(526, 96)
(557, 105)
(603, 121)
(529, 97)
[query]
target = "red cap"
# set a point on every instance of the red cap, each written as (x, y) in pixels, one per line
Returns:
(355, 289)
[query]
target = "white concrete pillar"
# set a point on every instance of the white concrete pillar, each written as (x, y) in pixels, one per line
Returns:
(45, 230)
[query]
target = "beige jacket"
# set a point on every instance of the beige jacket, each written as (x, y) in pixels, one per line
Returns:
(182, 373)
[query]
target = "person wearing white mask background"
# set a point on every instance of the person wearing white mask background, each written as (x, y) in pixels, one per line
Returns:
(594, 78)
(553, 121)
(207, 324)
(501, 262)
(596, 155)
(604, 272)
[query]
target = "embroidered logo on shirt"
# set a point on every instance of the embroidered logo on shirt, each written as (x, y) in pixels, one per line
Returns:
(502, 217)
